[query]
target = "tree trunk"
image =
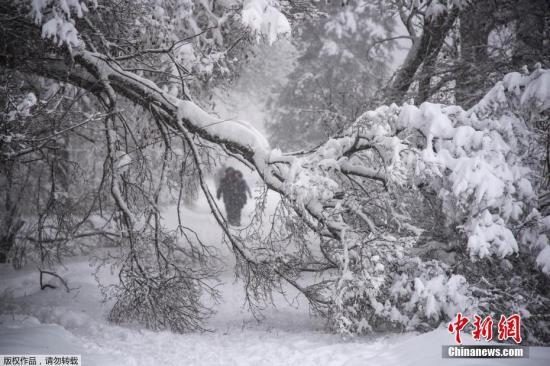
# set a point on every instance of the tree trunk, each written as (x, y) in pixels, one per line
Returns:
(424, 85)
(11, 222)
(532, 32)
(476, 22)
(427, 46)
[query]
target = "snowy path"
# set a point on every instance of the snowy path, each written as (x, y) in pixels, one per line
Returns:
(52, 321)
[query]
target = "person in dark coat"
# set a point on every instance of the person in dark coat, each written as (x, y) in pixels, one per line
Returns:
(242, 191)
(233, 189)
(227, 189)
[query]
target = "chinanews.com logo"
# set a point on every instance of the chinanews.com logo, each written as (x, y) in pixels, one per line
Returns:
(508, 329)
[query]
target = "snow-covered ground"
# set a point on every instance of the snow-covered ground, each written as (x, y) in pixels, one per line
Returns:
(56, 322)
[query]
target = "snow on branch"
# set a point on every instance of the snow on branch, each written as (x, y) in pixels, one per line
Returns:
(471, 157)
(265, 19)
(475, 161)
(56, 18)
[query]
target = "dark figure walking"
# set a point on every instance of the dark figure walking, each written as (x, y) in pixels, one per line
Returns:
(233, 188)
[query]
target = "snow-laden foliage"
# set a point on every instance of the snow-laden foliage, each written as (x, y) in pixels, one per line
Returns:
(265, 20)
(206, 39)
(57, 19)
(473, 158)
(370, 186)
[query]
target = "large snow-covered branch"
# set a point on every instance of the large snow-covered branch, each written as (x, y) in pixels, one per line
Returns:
(470, 152)
(237, 136)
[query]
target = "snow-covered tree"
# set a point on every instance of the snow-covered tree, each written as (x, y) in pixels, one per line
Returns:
(342, 64)
(407, 215)
(182, 46)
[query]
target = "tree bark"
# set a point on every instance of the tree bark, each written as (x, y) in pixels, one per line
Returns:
(476, 22)
(427, 46)
(425, 82)
(11, 222)
(532, 33)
